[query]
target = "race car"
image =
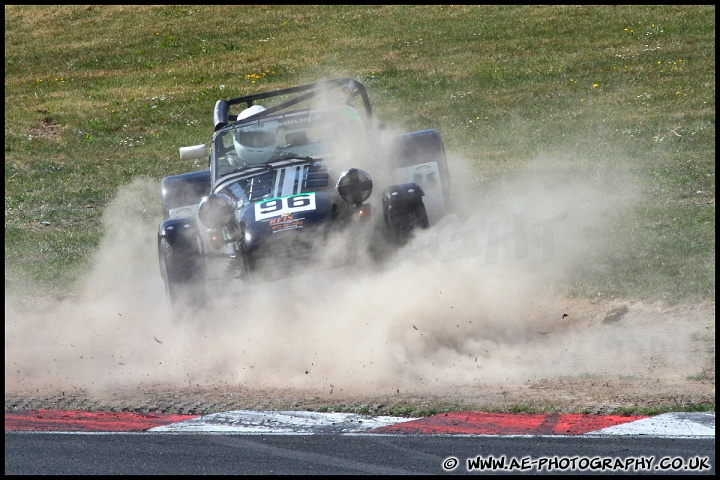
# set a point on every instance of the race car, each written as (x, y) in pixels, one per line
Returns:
(292, 169)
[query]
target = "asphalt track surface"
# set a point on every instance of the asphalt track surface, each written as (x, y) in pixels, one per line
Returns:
(297, 442)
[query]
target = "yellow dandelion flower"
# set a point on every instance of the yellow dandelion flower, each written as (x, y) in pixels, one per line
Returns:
(595, 85)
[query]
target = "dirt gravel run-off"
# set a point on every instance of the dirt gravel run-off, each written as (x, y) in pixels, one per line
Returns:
(604, 356)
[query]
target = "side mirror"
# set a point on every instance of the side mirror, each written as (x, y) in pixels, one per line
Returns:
(194, 152)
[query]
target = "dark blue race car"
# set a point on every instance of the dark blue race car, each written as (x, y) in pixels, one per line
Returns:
(291, 171)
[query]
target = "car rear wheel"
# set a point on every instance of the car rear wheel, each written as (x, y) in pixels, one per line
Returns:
(403, 222)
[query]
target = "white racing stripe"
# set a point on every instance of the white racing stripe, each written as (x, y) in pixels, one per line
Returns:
(288, 180)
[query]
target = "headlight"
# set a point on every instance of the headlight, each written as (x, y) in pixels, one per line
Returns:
(216, 210)
(354, 186)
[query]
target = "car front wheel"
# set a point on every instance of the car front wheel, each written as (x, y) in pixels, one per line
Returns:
(182, 269)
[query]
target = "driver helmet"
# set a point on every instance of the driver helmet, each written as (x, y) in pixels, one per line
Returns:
(255, 143)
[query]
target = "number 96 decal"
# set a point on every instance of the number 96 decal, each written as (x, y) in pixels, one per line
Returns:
(284, 205)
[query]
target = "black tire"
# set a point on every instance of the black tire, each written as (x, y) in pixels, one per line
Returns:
(404, 221)
(183, 271)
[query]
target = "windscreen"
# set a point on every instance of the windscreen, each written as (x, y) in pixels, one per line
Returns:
(311, 133)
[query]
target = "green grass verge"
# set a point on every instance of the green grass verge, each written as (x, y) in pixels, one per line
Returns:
(96, 96)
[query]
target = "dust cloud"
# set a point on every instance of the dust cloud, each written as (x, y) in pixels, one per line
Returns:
(476, 300)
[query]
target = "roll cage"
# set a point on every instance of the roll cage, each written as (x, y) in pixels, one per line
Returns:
(348, 87)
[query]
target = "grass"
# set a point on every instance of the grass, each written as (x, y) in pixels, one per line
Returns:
(418, 411)
(436, 409)
(680, 407)
(95, 97)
